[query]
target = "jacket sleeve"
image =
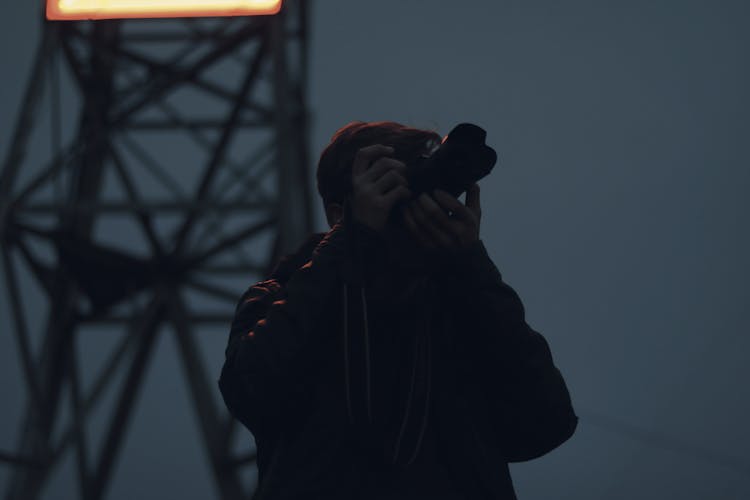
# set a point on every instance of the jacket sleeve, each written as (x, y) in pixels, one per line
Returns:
(524, 393)
(278, 336)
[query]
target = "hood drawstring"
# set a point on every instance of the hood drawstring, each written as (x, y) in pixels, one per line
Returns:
(422, 354)
(422, 358)
(346, 354)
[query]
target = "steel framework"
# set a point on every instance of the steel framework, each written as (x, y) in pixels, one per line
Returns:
(178, 179)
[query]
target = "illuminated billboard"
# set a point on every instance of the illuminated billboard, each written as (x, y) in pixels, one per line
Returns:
(119, 9)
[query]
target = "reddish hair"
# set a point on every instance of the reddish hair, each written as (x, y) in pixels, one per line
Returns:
(334, 172)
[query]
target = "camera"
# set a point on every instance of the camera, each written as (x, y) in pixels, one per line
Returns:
(462, 158)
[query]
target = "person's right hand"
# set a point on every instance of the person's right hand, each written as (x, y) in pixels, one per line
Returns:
(377, 184)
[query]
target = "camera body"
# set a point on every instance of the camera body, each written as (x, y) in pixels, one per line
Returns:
(461, 160)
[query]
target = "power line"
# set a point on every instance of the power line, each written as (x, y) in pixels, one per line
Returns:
(658, 439)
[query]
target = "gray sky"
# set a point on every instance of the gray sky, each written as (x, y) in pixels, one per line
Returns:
(618, 212)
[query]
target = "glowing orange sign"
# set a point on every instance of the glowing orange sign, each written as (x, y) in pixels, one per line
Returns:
(118, 9)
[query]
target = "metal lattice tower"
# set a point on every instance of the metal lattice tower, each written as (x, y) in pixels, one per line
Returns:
(176, 181)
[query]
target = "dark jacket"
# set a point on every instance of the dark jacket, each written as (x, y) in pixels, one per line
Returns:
(301, 374)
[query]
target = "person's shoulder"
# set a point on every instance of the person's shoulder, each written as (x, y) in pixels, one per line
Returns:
(290, 263)
(261, 292)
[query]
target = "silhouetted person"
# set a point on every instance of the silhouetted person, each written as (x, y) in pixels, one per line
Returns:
(386, 358)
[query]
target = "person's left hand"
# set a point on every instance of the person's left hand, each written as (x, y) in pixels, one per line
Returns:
(442, 222)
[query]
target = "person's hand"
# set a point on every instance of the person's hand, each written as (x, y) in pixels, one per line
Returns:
(442, 222)
(377, 184)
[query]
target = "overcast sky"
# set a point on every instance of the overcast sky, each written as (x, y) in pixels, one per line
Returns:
(618, 211)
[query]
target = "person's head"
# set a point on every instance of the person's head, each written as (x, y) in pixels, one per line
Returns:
(334, 173)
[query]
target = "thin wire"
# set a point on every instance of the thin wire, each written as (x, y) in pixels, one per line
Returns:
(666, 442)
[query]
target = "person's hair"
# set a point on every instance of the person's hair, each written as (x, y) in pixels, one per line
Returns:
(334, 173)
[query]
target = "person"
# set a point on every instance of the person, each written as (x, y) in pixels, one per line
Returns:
(386, 358)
